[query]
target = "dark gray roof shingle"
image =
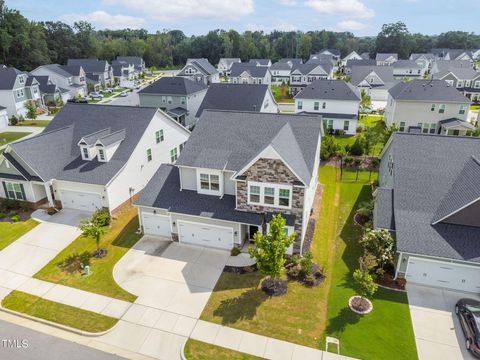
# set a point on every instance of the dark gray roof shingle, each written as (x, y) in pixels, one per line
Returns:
(175, 85)
(329, 89)
(254, 71)
(427, 90)
(89, 65)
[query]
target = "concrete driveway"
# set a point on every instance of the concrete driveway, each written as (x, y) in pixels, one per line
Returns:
(438, 333)
(170, 276)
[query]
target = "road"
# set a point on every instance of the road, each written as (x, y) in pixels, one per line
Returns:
(43, 347)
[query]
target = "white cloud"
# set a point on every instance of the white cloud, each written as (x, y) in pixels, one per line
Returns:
(276, 24)
(350, 25)
(350, 8)
(107, 20)
(173, 10)
(289, 2)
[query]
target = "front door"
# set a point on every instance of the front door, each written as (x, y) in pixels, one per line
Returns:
(252, 230)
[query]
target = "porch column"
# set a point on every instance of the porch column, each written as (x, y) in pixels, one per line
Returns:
(49, 194)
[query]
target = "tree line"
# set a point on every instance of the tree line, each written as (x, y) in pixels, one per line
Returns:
(27, 44)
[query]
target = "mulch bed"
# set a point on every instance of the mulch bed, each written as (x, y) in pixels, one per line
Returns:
(317, 273)
(360, 220)
(240, 269)
(24, 215)
(316, 206)
(360, 304)
(387, 281)
(274, 287)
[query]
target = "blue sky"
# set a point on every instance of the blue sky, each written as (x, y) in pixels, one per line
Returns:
(362, 17)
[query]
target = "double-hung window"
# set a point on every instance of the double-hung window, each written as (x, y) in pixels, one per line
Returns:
(441, 109)
(101, 154)
(159, 136)
(346, 125)
(432, 108)
(299, 105)
(86, 155)
(210, 182)
(324, 105)
(14, 191)
(149, 154)
(284, 197)
(271, 195)
(402, 126)
(173, 155)
(462, 110)
(254, 194)
(316, 105)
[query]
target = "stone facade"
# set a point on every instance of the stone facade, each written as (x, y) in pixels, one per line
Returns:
(276, 172)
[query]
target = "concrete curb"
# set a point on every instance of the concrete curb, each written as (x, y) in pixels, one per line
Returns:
(56, 325)
(182, 350)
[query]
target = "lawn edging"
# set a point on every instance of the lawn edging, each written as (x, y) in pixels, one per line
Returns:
(56, 325)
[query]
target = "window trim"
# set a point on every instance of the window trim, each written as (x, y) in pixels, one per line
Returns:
(22, 197)
(159, 136)
(277, 196)
(173, 154)
(149, 155)
(209, 173)
(102, 153)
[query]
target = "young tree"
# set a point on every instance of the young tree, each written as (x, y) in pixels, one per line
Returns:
(31, 110)
(91, 228)
(366, 101)
(366, 286)
(269, 250)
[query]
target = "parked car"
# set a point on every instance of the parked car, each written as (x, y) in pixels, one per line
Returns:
(468, 312)
(123, 94)
(96, 96)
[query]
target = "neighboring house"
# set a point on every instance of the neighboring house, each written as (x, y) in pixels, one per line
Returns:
(179, 97)
(238, 97)
(425, 60)
(50, 92)
(3, 117)
(235, 172)
(446, 65)
(467, 81)
(304, 74)
(408, 69)
(323, 60)
(347, 69)
(247, 73)
(476, 54)
(97, 71)
(69, 79)
(365, 56)
(352, 56)
(428, 106)
(123, 73)
(200, 70)
(16, 89)
(375, 80)
(260, 62)
(334, 53)
(337, 101)
(385, 59)
(280, 72)
(292, 61)
(91, 157)
(225, 64)
(458, 54)
(136, 61)
(428, 196)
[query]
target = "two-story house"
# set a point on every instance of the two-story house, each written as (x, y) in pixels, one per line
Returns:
(179, 97)
(352, 56)
(425, 60)
(465, 80)
(225, 65)
(386, 59)
(337, 101)
(375, 81)
(333, 53)
(238, 97)
(235, 172)
(304, 74)
(347, 69)
(16, 89)
(428, 196)
(91, 157)
(409, 69)
(136, 61)
(280, 71)
(95, 70)
(428, 106)
(446, 65)
(247, 73)
(50, 92)
(123, 73)
(70, 79)
(260, 62)
(200, 70)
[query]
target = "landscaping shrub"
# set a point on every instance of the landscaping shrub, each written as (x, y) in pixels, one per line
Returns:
(13, 213)
(2, 215)
(25, 206)
(357, 147)
(306, 264)
(15, 218)
(329, 147)
(235, 251)
(75, 262)
(13, 120)
(101, 217)
(10, 204)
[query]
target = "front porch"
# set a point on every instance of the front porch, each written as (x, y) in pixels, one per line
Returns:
(455, 127)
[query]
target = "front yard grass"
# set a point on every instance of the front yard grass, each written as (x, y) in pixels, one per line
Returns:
(12, 231)
(306, 315)
(119, 238)
(8, 137)
(198, 350)
(36, 123)
(59, 313)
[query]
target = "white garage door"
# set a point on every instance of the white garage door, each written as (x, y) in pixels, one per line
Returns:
(156, 225)
(441, 274)
(80, 201)
(205, 235)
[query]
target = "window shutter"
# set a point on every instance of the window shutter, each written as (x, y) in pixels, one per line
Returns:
(23, 192)
(5, 189)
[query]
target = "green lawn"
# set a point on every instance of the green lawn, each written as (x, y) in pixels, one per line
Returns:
(37, 123)
(197, 350)
(388, 328)
(120, 237)
(58, 313)
(8, 137)
(281, 94)
(370, 119)
(305, 315)
(12, 231)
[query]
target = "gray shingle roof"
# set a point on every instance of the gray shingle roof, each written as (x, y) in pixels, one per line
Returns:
(89, 65)
(203, 64)
(261, 62)
(426, 168)
(364, 62)
(254, 71)
(453, 122)
(137, 61)
(427, 90)
(281, 66)
(443, 65)
(55, 154)
(459, 73)
(383, 212)
(239, 97)
(176, 85)
(8, 76)
(228, 140)
(293, 61)
(400, 64)
(329, 89)
(385, 56)
(307, 68)
(359, 73)
(163, 191)
(72, 69)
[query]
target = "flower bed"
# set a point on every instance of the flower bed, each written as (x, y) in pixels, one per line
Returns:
(360, 305)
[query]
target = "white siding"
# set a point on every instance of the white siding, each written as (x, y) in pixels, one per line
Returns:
(269, 105)
(188, 177)
(138, 171)
(32, 192)
(332, 106)
(229, 185)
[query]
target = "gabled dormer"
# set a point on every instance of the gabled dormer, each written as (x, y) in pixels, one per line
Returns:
(108, 144)
(87, 143)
